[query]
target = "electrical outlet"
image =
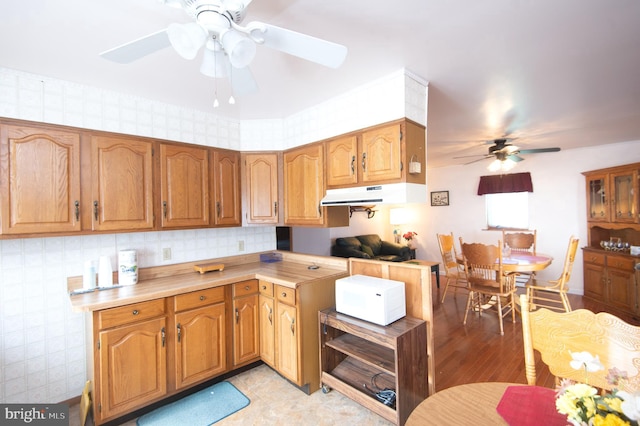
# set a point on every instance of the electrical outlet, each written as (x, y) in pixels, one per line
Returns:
(166, 253)
(240, 245)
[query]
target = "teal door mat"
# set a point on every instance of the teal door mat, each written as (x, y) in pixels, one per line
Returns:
(202, 408)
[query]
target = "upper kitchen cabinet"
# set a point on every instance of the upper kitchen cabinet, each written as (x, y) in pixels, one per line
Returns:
(612, 195)
(184, 186)
(121, 184)
(39, 179)
(304, 188)
(380, 154)
(226, 181)
(261, 188)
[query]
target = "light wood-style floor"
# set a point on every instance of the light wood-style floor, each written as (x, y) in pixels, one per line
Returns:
(463, 354)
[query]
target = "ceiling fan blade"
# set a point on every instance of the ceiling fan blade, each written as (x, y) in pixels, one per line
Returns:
(304, 46)
(538, 150)
(515, 158)
(136, 49)
(242, 81)
(479, 159)
(469, 156)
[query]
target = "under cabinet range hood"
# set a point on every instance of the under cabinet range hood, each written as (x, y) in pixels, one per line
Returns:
(393, 193)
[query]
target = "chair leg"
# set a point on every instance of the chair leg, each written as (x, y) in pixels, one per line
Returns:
(466, 311)
(513, 309)
(500, 316)
(446, 287)
(565, 302)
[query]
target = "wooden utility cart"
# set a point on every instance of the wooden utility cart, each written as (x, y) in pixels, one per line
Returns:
(359, 359)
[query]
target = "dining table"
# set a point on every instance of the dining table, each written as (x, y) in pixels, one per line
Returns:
(521, 262)
(490, 404)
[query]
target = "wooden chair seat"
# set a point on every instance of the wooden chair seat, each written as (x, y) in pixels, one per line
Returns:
(455, 274)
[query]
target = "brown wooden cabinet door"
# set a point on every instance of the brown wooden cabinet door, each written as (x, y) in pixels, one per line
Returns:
(133, 367)
(122, 184)
(342, 161)
(226, 181)
(287, 341)
(594, 282)
(381, 157)
(624, 196)
(622, 289)
(304, 185)
(184, 174)
(261, 174)
(267, 330)
(200, 344)
(246, 326)
(39, 180)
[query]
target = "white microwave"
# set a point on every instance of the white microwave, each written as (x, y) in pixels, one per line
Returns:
(372, 299)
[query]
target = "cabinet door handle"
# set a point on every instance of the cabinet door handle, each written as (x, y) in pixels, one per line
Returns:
(364, 161)
(246, 287)
(237, 316)
(218, 208)
(135, 312)
(164, 209)
(275, 208)
(77, 204)
(164, 335)
(95, 210)
(353, 165)
(269, 312)
(179, 332)
(202, 298)
(284, 294)
(293, 321)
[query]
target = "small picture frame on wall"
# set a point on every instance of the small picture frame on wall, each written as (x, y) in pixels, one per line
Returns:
(440, 198)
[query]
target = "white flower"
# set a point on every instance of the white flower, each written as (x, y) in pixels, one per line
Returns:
(630, 404)
(585, 360)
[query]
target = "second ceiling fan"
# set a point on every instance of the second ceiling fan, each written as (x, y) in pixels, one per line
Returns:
(503, 151)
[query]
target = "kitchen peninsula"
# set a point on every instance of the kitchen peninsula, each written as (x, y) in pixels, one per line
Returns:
(177, 328)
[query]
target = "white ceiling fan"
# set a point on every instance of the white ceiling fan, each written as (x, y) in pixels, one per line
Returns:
(229, 46)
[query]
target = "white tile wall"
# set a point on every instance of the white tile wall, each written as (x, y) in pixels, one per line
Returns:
(42, 342)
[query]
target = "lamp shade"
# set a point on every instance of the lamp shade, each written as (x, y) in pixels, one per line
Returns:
(240, 49)
(186, 39)
(214, 63)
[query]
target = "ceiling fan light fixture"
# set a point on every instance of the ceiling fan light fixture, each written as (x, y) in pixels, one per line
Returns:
(213, 63)
(240, 49)
(498, 165)
(186, 39)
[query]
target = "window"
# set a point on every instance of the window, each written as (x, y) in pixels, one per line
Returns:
(508, 210)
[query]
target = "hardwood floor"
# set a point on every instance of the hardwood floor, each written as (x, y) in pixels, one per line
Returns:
(477, 352)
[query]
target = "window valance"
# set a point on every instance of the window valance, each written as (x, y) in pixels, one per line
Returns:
(498, 184)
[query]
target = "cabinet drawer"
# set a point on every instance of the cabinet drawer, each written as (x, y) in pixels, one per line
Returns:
(595, 258)
(266, 288)
(286, 295)
(200, 298)
(130, 313)
(620, 263)
(245, 287)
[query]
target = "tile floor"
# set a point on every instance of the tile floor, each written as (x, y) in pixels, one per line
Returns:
(274, 401)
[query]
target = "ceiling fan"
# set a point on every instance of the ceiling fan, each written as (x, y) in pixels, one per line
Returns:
(506, 154)
(229, 46)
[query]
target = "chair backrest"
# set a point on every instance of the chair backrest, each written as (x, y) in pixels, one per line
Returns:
(483, 264)
(448, 251)
(557, 334)
(520, 241)
(569, 258)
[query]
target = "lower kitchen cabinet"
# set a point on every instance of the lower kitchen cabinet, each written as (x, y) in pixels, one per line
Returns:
(267, 324)
(130, 358)
(286, 333)
(246, 326)
(200, 349)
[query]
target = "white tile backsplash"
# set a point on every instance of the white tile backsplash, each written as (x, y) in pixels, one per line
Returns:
(42, 342)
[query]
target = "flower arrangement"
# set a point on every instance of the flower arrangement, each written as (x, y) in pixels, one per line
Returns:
(408, 236)
(583, 405)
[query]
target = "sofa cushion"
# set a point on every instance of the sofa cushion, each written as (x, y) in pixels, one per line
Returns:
(348, 242)
(373, 241)
(367, 250)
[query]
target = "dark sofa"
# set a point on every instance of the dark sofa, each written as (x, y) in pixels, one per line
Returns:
(370, 247)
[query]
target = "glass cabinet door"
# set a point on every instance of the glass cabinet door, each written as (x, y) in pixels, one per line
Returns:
(625, 201)
(597, 198)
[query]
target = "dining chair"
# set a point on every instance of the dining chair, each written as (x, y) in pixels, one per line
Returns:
(553, 294)
(522, 242)
(453, 270)
(555, 335)
(486, 279)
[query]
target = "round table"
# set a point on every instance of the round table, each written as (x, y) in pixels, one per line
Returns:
(521, 262)
(469, 404)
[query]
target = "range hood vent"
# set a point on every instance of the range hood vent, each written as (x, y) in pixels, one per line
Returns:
(393, 193)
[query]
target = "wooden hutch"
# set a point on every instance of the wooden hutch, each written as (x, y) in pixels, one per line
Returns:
(613, 222)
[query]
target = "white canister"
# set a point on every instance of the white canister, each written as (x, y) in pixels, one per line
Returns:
(89, 275)
(105, 273)
(127, 267)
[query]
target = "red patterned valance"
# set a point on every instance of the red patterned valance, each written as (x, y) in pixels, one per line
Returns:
(498, 184)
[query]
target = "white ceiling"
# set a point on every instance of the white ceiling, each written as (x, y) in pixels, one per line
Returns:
(552, 73)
